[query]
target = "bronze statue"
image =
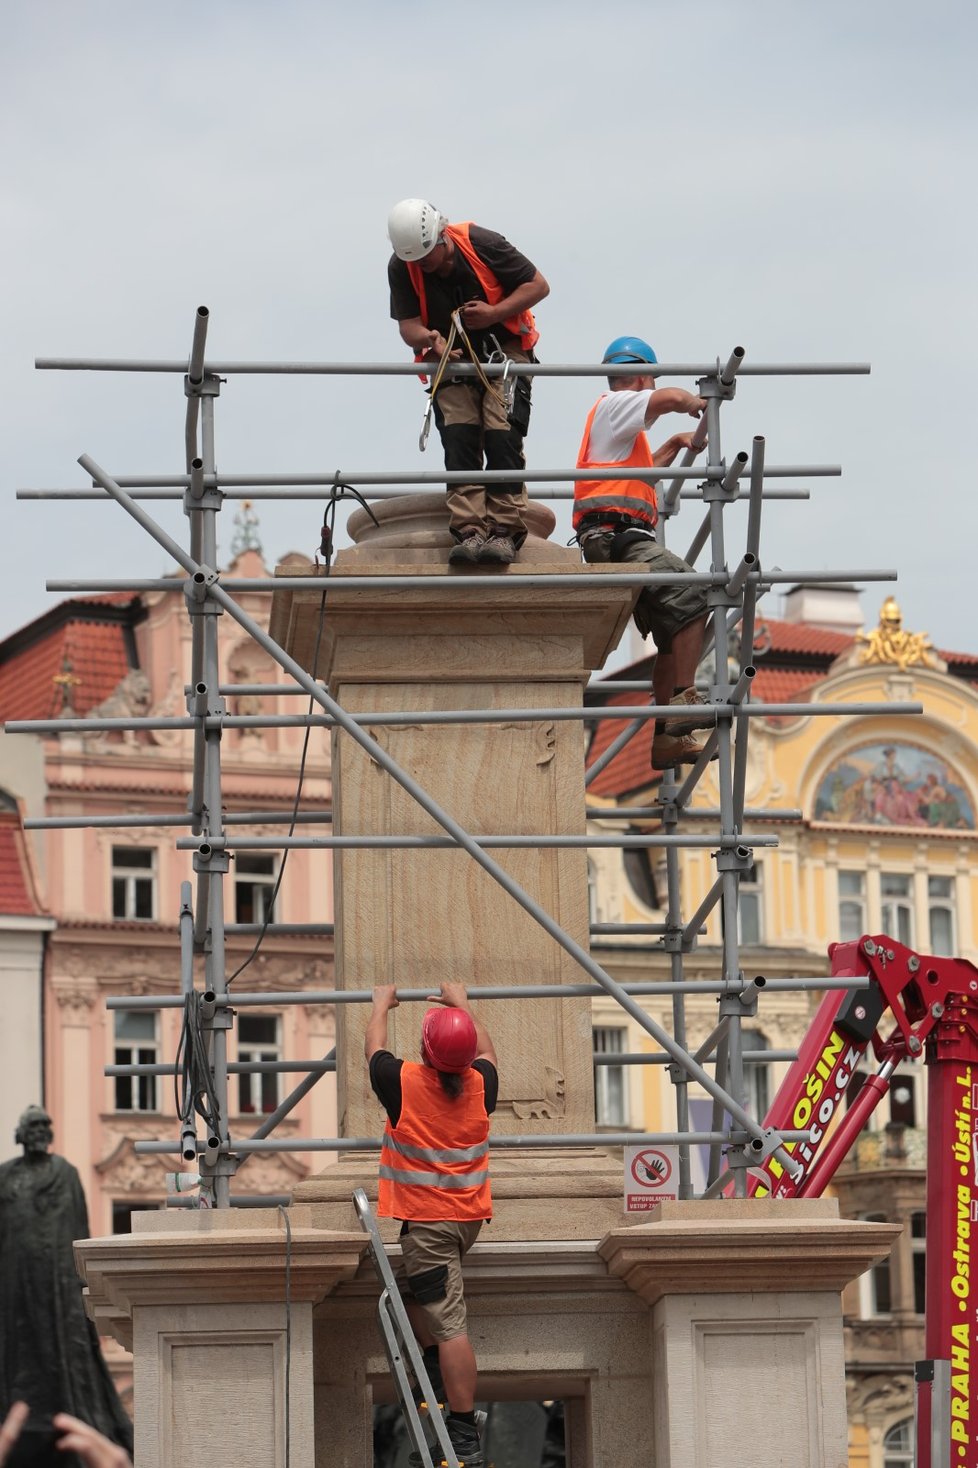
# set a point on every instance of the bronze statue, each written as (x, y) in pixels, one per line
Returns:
(49, 1350)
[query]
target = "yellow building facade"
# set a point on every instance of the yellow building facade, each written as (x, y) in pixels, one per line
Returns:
(880, 836)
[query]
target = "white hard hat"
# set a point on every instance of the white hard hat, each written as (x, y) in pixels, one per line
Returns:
(414, 228)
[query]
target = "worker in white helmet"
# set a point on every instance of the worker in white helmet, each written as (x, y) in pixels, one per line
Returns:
(436, 268)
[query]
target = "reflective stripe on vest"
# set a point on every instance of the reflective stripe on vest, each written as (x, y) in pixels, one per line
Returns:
(438, 1154)
(453, 1180)
(632, 497)
(435, 1163)
(521, 325)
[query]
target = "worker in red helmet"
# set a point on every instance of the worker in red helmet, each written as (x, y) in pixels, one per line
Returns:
(434, 1178)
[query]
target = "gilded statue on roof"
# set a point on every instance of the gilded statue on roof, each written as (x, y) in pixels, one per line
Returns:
(891, 643)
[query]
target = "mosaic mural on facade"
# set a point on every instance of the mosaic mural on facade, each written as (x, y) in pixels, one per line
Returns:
(893, 785)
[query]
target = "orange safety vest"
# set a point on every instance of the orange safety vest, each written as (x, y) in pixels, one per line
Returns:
(521, 325)
(631, 497)
(435, 1163)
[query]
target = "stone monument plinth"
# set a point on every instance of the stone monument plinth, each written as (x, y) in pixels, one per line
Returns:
(417, 917)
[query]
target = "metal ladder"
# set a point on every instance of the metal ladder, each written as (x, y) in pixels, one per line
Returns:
(402, 1347)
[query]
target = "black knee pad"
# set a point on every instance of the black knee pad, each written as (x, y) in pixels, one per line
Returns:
(504, 450)
(462, 443)
(429, 1286)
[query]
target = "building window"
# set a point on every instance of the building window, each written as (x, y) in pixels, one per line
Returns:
(852, 906)
(134, 883)
(254, 882)
(757, 1075)
(749, 915)
(122, 1214)
(640, 871)
(918, 1250)
(878, 1299)
(940, 912)
(135, 1044)
(896, 906)
(258, 1039)
(592, 893)
(898, 1445)
(903, 1097)
(610, 1097)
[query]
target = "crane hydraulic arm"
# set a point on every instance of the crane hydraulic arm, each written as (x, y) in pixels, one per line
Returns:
(918, 1006)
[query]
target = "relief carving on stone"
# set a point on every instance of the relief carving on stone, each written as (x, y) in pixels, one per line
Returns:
(124, 1171)
(548, 1107)
(76, 999)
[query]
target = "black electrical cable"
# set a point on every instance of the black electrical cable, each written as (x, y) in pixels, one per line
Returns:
(337, 492)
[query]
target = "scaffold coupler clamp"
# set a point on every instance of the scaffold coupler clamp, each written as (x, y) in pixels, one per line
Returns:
(195, 591)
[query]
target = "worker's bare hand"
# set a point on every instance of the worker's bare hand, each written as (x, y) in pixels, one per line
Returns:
(452, 995)
(435, 347)
(685, 441)
(94, 1450)
(11, 1426)
(692, 405)
(385, 997)
(479, 315)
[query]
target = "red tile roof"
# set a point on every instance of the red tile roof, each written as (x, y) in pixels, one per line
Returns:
(88, 642)
(19, 895)
(791, 659)
(631, 769)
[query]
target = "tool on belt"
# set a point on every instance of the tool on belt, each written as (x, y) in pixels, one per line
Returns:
(504, 398)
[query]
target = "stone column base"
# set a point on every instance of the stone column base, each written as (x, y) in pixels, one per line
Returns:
(537, 1194)
(217, 1310)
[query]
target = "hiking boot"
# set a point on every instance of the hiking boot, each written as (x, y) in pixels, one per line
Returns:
(466, 1442)
(697, 720)
(416, 1461)
(498, 548)
(675, 749)
(466, 551)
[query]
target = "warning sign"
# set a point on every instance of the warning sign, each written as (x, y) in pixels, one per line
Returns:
(651, 1176)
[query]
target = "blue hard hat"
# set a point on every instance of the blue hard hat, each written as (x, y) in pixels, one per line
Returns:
(629, 349)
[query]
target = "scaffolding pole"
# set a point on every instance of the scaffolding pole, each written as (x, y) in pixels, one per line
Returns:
(732, 597)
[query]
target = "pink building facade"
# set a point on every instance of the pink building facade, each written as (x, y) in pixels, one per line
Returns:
(114, 892)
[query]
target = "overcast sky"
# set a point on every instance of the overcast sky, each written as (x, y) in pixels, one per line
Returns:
(799, 179)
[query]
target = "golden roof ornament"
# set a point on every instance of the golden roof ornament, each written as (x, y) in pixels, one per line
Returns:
(891, 643)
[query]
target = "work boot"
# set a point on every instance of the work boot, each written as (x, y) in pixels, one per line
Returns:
(675, 749)
(466, 1442)
(466, 550)
(416, 1461)
(498, 548)
(698, 720)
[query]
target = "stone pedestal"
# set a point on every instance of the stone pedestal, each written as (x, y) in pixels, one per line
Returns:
(417, 917)
(220, 1341)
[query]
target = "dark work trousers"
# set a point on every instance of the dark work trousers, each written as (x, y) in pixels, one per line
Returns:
(474, 428)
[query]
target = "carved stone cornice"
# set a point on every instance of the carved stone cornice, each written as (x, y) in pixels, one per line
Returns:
(75, 998)
(745, 1245)
(220, 1257)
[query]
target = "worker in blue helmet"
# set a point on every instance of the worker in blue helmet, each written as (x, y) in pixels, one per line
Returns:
(615, 520)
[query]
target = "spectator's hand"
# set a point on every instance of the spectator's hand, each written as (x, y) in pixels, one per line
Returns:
(11, 1426)
(479, 315)
(385, 997)
(94, 1450)
(452, 995)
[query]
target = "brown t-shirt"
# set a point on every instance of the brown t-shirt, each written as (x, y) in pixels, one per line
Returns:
(445, 293)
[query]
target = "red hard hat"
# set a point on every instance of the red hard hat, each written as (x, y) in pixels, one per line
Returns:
(449, 1039)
